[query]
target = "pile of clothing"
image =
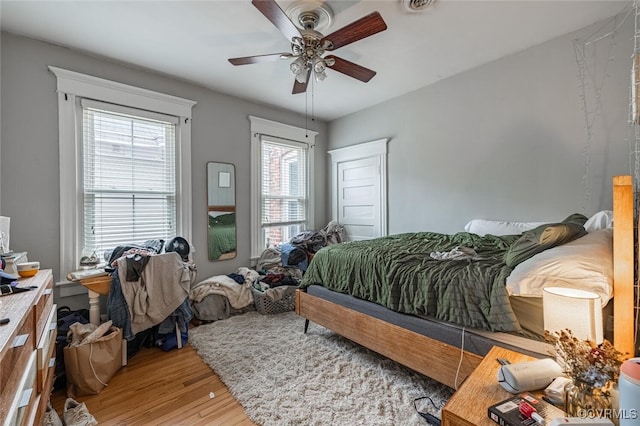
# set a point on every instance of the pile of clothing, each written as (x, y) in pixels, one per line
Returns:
(293, 257)
(220, 296)
(80, 334)
(149, 291)
(278, 268)
(274, 285)
(236, 287)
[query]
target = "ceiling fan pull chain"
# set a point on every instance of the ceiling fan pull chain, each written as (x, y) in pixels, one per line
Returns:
(306, 114)
(313, 90)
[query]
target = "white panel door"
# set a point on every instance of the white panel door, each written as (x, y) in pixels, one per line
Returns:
(359, 198)
(359, 195)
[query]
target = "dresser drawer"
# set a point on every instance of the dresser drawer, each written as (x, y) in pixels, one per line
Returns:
(41, 310)
(40, 406)
(22, 407)
(20, 347)
(46, 348)
(27, 351)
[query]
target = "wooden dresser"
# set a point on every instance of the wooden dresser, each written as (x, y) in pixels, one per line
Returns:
(27, 351)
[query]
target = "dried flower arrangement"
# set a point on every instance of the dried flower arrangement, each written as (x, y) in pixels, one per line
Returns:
(584, 361)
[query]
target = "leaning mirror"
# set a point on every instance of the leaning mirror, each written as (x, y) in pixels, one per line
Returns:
(221, 210)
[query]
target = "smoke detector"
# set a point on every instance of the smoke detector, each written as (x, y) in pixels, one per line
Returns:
(416, 5)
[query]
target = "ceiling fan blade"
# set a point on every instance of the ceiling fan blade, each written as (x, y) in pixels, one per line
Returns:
(271, 10)
(301, 87)
(259, 58)
(357, 30)
(349, 68)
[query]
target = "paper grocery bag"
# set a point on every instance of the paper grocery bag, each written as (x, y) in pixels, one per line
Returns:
(89, 367)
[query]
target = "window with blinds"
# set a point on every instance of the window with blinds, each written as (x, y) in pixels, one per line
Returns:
(284, 190)
(129, 176)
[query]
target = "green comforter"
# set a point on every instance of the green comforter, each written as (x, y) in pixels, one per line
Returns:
(222, 239)
(398, 272)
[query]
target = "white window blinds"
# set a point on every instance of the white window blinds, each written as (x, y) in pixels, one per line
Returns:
(284, 185)
(129, 176)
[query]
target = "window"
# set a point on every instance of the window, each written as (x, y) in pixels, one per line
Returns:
(125, 161)
(284, 190)
(282, 183)
(129, 176)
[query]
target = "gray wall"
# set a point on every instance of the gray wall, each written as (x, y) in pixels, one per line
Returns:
(29, 141)
(505, 141)
(502, 141)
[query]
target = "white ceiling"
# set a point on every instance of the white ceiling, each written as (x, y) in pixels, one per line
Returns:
(192, 40)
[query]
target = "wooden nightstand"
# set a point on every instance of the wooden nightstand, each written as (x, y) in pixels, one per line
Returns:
(468, 405)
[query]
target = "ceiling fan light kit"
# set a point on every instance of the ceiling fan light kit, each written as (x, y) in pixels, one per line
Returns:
(308, 44)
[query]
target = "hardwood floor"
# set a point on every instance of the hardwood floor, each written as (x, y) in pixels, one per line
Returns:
(162, 388)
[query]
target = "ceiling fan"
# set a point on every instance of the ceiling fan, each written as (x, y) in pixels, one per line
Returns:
(308, 45)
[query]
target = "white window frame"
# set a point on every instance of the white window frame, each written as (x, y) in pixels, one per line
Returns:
(72, 86)
(259, 127)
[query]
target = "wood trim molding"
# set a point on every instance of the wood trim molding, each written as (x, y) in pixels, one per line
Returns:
(121, 94)
(221, 208)
(623, 267)
(377, 148)
(73, 86)
(290, 134)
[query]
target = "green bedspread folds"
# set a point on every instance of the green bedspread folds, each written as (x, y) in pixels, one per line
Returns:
(222, 239)
(398, 272)
(222, 234)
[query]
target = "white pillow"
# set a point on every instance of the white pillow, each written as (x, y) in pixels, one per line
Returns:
(499, 227)
(600, 220)
(585, 263)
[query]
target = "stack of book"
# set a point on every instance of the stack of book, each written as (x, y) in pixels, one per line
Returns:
(512, 412)
(86, 273)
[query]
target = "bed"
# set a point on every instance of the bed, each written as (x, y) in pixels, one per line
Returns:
(443, 331)
(222, 234)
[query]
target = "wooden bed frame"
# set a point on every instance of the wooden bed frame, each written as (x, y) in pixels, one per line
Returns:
(439, 360)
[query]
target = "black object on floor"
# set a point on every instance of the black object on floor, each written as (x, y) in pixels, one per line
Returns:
(430, 418)
(66, 317)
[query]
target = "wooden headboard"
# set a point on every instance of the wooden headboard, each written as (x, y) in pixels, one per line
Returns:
(624, 327)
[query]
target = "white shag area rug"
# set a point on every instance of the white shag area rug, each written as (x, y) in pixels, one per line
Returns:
(282, 376)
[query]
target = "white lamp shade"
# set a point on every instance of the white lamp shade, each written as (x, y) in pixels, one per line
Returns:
(577, 310)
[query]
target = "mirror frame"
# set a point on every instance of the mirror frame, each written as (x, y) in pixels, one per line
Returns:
(221, 212)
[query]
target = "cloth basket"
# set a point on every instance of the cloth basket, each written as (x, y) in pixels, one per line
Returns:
(265, 305)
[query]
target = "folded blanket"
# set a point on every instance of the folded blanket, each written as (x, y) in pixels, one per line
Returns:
(239, 295)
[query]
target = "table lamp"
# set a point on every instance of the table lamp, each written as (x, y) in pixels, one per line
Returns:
(577, 310)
